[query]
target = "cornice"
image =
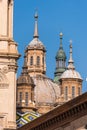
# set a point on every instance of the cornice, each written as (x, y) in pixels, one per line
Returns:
(10, 55)
(60, 116)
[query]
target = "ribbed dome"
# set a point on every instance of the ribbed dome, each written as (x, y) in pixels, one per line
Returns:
(71, 74)
(24, 79)
(36, 44)
(46, 91)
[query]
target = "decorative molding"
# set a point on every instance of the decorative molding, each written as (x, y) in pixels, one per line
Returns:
(4, 85)
(3, 79)
(12, 68)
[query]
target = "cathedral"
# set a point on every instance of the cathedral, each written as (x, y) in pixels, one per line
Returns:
(38, 93)
(32, 94)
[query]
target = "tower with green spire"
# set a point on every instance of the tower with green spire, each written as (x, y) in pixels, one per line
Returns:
(60, 61)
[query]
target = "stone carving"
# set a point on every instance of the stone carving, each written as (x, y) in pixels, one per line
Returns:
(3, 80)
(5, 69)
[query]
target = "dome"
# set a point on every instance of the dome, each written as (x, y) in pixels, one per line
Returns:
(24, 79)
(61, 54)
(25, 117)
(71, 74)
(36, 44)
(46, 91)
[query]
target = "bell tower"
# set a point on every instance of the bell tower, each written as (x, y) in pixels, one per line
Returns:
(8, 66)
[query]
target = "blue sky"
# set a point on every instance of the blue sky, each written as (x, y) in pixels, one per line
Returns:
(55, 16)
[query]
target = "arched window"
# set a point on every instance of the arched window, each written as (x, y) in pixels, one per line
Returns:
(79, 91)
(26, 98)
(66, 93)
(20, 97)
(31, 60)
(38, 60)
(60, 63)
(42, 60)
(73, 91)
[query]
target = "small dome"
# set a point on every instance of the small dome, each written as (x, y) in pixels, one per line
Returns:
(71, 74)
(25, 79)
(61, 54)
(36, 44)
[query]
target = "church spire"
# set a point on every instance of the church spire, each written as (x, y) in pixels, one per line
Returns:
(71, 62)
(36, 26)
(60, 61)
(24, 68)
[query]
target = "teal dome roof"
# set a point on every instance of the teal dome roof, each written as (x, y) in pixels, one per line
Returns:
(61, 54)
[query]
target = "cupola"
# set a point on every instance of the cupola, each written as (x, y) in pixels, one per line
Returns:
(60, 61)
(70, 81)
(35, 53)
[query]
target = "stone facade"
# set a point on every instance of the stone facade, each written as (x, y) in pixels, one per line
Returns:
(8, 66)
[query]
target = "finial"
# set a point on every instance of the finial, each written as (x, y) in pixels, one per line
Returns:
(36, 25)
(61, 37)
(61, 34)
(70, 43)
(36, 15)
(70, 62)
(24, 68)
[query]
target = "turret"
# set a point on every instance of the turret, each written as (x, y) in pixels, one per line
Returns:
(35, 53)
(60, 61)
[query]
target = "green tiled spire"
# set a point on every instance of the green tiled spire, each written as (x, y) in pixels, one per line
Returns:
(60, 61)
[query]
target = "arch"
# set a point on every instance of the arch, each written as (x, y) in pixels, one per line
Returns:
(79, 91)
(73, 91)
(38, 60)
(31, 60)
(66, 93)
(26, 98)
